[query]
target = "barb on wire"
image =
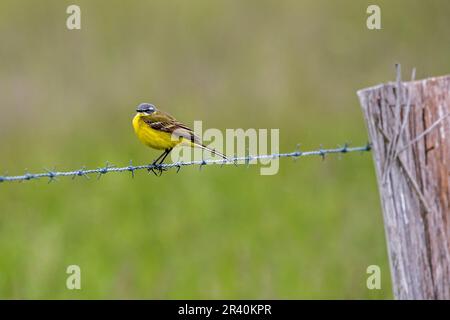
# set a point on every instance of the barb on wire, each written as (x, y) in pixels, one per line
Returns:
(108, 168)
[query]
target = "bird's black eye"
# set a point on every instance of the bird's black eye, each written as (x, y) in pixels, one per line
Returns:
(146, 107)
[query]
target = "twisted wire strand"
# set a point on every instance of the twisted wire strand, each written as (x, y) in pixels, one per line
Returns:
(109, 168)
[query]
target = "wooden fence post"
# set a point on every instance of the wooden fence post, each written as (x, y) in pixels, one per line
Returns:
(409, 129)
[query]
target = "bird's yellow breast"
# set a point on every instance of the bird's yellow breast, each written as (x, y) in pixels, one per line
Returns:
(151, 137)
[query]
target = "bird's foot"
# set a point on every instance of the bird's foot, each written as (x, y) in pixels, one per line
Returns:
(156, 168)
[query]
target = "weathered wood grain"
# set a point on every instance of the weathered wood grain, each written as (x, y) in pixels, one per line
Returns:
(411, 151)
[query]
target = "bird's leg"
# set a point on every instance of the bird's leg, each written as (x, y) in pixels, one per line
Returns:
(161, 159)
(155, 162)
(162, 155)
(161, 169)
(165, 155)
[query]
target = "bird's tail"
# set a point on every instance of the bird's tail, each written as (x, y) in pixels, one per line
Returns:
(214, 152)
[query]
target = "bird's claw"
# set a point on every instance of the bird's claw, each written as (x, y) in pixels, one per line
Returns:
(157, 169)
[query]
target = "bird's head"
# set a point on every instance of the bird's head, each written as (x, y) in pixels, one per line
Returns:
(145, 109)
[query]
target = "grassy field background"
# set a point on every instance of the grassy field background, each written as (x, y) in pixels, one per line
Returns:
(67, 99)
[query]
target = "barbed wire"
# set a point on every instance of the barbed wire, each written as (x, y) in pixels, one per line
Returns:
(109, 168)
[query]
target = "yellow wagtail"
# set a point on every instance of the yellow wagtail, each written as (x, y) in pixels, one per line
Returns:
(161, 131)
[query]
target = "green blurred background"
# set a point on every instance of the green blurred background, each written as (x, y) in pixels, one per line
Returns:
(67, 99)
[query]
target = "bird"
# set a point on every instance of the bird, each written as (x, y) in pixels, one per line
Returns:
(159, 130)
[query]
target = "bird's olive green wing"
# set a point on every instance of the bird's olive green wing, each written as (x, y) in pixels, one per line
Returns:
(166, 123)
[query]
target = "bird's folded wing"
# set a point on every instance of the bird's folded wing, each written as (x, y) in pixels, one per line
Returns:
(175, 128)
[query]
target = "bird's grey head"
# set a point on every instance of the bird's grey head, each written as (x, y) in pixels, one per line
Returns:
(146, 108)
